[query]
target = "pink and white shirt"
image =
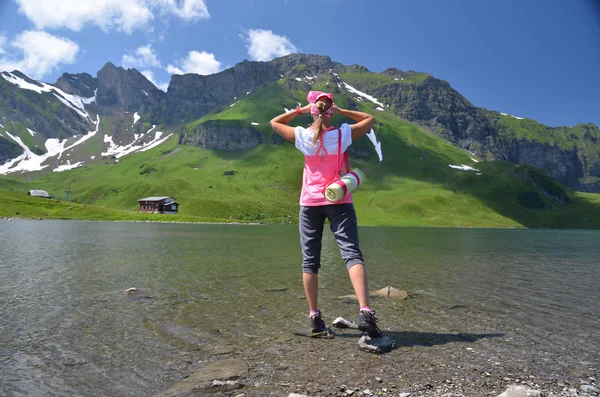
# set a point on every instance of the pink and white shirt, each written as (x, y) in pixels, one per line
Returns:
(320, 168)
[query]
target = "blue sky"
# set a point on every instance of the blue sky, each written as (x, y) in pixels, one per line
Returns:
(534, 58)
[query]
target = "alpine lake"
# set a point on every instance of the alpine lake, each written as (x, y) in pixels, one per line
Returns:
(220, 310)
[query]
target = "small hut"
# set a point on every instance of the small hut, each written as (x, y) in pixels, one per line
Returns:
(39, 193)
(159, 205)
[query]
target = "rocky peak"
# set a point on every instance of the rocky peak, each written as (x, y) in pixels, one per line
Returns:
(192, 96)
(411, 74)
(123, 90)
(81, 84)
(307, 63)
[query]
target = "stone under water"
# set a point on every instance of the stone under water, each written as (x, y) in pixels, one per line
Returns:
(386, 292)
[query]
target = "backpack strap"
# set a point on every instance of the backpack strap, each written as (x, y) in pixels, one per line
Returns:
(346, 166)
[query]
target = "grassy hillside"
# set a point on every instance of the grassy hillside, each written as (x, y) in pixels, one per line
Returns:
(413, 186)
(19, 205)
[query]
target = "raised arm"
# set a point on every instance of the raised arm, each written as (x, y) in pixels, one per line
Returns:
(279, 123)
(364, 121)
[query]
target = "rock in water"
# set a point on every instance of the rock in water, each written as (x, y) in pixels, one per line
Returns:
(376, 345)
(390, 292)
(387, 292)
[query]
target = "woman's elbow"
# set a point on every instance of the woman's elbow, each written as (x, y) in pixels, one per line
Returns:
(371, 122)
(273, 125)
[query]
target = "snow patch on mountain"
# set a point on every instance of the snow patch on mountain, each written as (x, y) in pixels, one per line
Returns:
(68, 166)
(362, 94)
(515, 117)
(136, 146)
(74, 102)
(376, 144)
(29, 161)
(463, 167)
(86, 136)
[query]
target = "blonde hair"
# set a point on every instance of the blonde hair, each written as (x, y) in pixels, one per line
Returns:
(318, 126)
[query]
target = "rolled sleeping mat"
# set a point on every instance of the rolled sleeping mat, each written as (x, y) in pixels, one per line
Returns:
(338, 189)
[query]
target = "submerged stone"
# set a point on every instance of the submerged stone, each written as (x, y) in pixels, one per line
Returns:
(279, 289)
(214, 375)
(390, 292)
(386, 292)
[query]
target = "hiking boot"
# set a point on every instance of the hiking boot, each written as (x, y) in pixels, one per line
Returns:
(367, 322)
(318, 325)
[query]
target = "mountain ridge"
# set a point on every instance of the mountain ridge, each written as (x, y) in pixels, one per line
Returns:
(430, 135)
(415, 96)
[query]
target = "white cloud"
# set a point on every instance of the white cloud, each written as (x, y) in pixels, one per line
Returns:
(119, 15)
(190, 10)
(142, 57)
(264, 45)
(174, 70)
(196, 62)
(150, 76)
(42, 52)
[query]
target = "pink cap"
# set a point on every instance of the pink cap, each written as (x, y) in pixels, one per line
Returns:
(313, 96)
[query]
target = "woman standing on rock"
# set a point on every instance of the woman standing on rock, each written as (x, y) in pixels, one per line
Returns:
(320, 144)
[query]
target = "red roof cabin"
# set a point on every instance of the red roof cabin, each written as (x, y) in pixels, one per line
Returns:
(159, 205)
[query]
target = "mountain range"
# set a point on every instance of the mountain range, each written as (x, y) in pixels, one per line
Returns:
(85, 122)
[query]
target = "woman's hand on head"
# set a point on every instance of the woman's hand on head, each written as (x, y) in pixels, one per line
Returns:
(305, 109)
(337, 109)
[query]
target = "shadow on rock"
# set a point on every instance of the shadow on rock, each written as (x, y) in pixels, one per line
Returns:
(409, 339)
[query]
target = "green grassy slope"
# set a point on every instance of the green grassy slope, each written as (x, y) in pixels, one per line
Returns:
(413, 186)
(19, 205)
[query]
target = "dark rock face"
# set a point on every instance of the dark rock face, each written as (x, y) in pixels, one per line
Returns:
(81, 84)
(8, 150)
(590, 187)
(562, 165)
(226, 136)
(123, 90)
(595, 170)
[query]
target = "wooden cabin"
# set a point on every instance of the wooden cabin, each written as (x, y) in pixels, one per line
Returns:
(159, 205)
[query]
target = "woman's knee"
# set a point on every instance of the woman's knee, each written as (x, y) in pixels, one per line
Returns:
(353, 262)
(311, 268)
